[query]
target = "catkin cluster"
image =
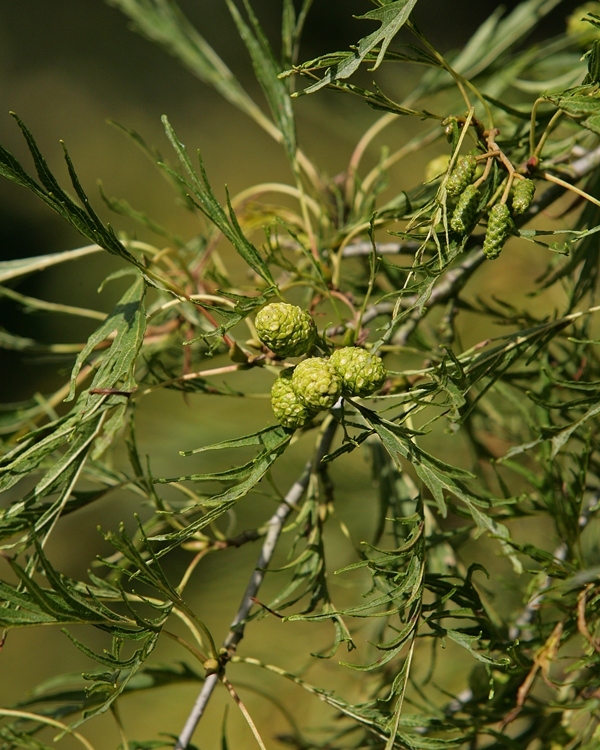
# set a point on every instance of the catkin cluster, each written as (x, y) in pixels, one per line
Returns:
(468, 206)
(316, 383)
(500, 220)
(459, 186)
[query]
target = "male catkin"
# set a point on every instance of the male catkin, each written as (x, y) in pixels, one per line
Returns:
(462, 175)
(523, 193)
(466, 210)
(499, 224)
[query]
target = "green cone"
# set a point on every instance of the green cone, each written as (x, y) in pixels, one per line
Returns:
(289, 411)
(286, 329)
(316, 383)
(361, 373)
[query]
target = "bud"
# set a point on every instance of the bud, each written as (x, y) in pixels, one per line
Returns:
(466, 210)
(450, 125)
(289, 411)
(286, 329)
(499, 224)
(316, 383)
(461, 176)
(211, 666)
(361, 373)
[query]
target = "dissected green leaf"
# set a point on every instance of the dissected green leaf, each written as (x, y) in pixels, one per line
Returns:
(163, 22)
(585, 107)
(468, 641)
(128, 324)
(83, 219)
(201, 190)
(267, 71)
(392, 16)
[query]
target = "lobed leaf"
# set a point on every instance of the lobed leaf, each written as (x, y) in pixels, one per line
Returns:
(392, 16)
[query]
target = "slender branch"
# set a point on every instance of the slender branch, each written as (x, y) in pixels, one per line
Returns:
(114, 710)
(40, 304)
(415, 145)
(342, 707)
(358, 249)
(532, 125)
(572, 188)
(360, 149)
(583, 166)
(244, 711)
(540, 147)
(190, 376)
(451, 282)
(275, 526)
(197, 711)
(256, 191)
(182, 642)
(190, 569)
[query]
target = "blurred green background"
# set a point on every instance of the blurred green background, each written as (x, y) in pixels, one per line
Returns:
(65, 67)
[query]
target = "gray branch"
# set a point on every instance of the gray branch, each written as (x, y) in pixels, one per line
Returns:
(358, 249)
(275, 526)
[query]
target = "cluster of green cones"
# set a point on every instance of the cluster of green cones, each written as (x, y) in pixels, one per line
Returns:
(316, 383)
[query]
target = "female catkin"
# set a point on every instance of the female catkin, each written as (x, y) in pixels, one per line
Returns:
(288, 409)
(286, 329)
(316, 383)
